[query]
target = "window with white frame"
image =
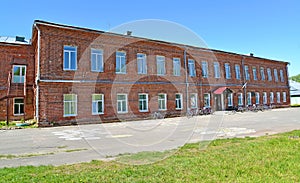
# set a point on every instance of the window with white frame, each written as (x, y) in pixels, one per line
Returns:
(97, 104)
(19, 73)
(281, 75)
(143, 102)
(227, 71)
(254, 73)
(176, 66)
(162, 101)
(206, 100)
(70, 105)
(120, 62)
(276, 75)
(193, 100)
(249, 101)
(269, 74)
(265, 98)
(230, 99)
(271, 97)
(122, 103)
(18, 106)
(247, 75)
(192, 69)
(204, 69)
(262, 74)
(178, 101)
(161, 65)
(278, 97)
(217, 70)
(96, 60)
(141, 63)
(283, 96)
(237, 71)
(70, 58)
(240, 99)
(257, 98)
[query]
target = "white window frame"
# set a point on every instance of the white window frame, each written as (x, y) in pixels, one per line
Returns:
(121, 62)
(269, 74)
(240, 99)
(262, 74)
(254, 72)
(271, 97)
(207, 101)
(162, 102)
(227, 71)
(160, 62)
(141, 63)
(74, 96)
(69, 52)
(21, 77)
(178, 101)
(19, 105)
(257, 98)
(230, 99)
(204, 65)
(281, 75)
(283, 96)
(237, 71)
(247, 75)
(265, 98)
(141, 102)
(97, 104)
(249, 98)
(97, 54)
(278, 97)
(119, 101)
(217, 70)
(192, 68)
(191, 100)
(176, 66)
(276, 75)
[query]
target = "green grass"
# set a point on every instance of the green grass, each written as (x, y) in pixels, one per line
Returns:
(264, 159)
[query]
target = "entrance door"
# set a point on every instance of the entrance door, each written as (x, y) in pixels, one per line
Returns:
(218, 102)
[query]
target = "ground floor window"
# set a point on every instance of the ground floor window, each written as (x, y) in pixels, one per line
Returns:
(249, 102)
(278, 97)
(283, 96)
(162, 101)
(97, 103)
(256, 98)
(70, 105)
(178, 101)
(193, 100)
(122, 103)
(271, 97)
(240, 99)
(230, 99)
(206, 100)
(18, 106)
(143, 102)
(265, 98)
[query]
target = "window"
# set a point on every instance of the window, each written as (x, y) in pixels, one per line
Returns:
(227, 71)
(254, 73)
(281, 76)
(192, 69)
(278, 97)
(283, 96)
(70, 58)
(206, 100)
(276, 75)
(96, 60)
(97, 104)
(265, 100)
(143, 102)
(141, 63)
(262, 74)
(162, 101)
(178, 101)
(176, 66)
(217, 70)
(120, 62)
(122, 103)
(230, 99)
(256, 98)
(271, 97)
(237, 71)
(247, 75)
(193, 100)
(204, 69)
(19, 74)
(240, 99)
(249, 102)
(18, 106)
(70, 105)
(161, 67)
(269, 74)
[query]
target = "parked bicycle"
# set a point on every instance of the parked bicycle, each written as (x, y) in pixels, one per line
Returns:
(158, 115)
(192, 112)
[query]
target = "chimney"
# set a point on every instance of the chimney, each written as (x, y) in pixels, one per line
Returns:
(128, 33)
(20, 39)
(251, 54)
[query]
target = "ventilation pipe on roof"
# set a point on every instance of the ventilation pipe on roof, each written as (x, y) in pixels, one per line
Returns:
(37, 78)
(129, 33)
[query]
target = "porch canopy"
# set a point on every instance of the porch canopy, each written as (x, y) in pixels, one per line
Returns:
(221, 90)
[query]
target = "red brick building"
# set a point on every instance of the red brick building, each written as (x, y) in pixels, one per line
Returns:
(79, 75)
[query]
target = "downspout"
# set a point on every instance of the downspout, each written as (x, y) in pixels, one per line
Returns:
(244, 85)
(186, 81)
(37, 79)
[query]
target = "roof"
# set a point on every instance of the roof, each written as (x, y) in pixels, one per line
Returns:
(14, 40)
(294, 88)
(221, 90)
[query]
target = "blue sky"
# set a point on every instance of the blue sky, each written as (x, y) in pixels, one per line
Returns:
(267, 28)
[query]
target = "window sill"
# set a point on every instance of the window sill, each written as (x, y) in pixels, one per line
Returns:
(121, 112)
(98, 113)
(121, 73)
(19, 114)
(70, 115)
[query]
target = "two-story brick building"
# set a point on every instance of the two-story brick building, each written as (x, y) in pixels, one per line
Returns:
(79, 75)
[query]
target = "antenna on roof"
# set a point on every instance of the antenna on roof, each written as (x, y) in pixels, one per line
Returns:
(129, 33)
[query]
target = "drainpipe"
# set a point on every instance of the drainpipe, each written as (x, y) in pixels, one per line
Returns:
(37, 78)
(186, 81)
(244, 82)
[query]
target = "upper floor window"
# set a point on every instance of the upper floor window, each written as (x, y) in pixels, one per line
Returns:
(237, 71)
(161, 66)
(247, 75)
(204, 69)
(70, 58)
(269, 74)
(97, 103)
(254, 73)
(120, 62)
(70, 104)
(176, 66)
(19, 74)
(275, 75)
(217, 70)
(141, 63)
(262, 74)
(281, 76)
(192, 69)
(96, 60)
(227, 71)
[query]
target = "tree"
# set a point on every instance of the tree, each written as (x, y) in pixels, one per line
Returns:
(295, 78)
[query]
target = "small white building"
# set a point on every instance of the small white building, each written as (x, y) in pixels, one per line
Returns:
(295, 92)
